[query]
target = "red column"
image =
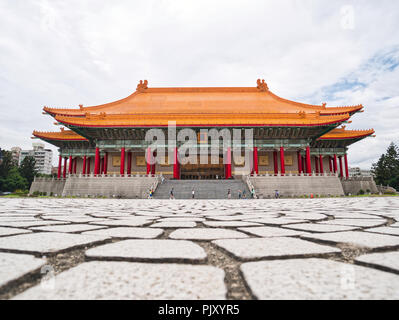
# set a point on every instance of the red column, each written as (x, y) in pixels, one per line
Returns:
(176, 174)
(97, 162)
(75, 164)
(321, 164)
(341, 169)
(335, 163)
(65, 166)
(256, 167)
(308, 164)
(299, 162)
(275, 162)
(59, 167)
(282, 163)
(101, 165)
(106, 163)
(129, 163)
(84, 165)
(228, 164)
(70, 165)
(316, 163)
(304, 164)
(346, 166)
(122, 171)
(149, 161)
(329, 164)
(88, 165)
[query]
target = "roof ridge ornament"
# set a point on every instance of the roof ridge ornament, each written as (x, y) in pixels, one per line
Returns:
(81, 107)
(261, 85)
(142, 86)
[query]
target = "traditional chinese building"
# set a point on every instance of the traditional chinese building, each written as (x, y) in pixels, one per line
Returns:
(288, 137)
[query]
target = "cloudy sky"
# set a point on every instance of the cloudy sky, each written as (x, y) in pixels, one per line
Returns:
(71, 52)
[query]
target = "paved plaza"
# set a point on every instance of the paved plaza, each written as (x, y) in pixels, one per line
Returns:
(335, 248)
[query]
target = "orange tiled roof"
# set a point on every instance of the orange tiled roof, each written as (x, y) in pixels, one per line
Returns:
(202, 119)
(203, 100)
(63, 135)
(342, 133)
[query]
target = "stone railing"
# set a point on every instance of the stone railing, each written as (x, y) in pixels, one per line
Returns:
(154, 186)
(247, 180)
(290, 174)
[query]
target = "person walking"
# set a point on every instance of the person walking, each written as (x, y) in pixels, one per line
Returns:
(192, 193)
(244, 194)
(252, 193)
(239, 194)
(277, 195)
(171, 194)
(228, 194)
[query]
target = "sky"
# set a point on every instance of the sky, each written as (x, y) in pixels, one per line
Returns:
(65, 53)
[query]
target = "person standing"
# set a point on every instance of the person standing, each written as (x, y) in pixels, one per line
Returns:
(239, 194)
(171, 194)
(192, 193)
(228, 194)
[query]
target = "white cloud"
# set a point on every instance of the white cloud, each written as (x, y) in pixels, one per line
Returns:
(65, 53)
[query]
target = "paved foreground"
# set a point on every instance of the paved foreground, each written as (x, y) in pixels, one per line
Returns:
(339, 248)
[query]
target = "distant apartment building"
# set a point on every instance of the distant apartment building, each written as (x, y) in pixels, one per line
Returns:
(43, 157)
(15, 154)
(357, 172)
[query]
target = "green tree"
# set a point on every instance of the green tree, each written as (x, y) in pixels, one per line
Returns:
(6, 164)
(27, 169)
(386, 170)
(13, 181)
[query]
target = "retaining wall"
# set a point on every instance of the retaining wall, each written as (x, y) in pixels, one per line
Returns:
(48, 186)
(354, 184)
(120, 187)
(289, 186)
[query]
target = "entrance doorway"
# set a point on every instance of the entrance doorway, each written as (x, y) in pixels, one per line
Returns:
(199, 171)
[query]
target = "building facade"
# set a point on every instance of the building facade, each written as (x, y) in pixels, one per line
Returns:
(43, 157)
(281, 137)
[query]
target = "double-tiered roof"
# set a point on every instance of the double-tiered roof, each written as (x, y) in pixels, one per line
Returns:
(203, 107)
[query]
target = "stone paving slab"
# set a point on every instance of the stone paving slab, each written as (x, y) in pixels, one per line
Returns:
(266, 232)
(34, 223)
(230, 224)
(127, 232)
(358, 238)
(156, 250)
(275, 221)
(75, 219)
(277, 247)
(134, 281)
(385, 259)
(169, 224)
(14, 266)
(356, 222)
(47, 242)
(68, 228)
(133, 222)
(5, 231)
(318, 279)
(318, 227)
(385, 230)
(179, 219)
(206, 234)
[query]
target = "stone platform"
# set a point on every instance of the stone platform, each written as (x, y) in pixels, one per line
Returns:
(335, 248)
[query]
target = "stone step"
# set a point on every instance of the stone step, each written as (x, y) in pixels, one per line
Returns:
(204, 189)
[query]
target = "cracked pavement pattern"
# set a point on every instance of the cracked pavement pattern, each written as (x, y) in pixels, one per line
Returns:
(332, 248)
